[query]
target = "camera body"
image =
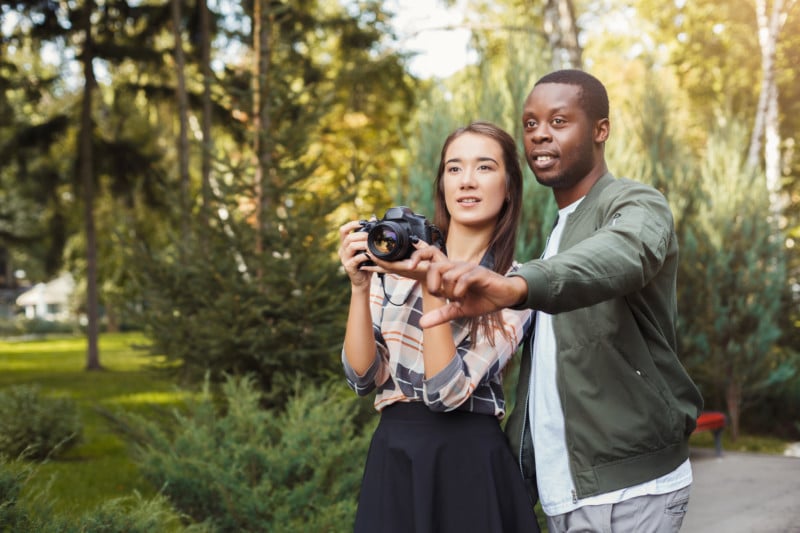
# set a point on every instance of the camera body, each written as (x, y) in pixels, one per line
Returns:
(390, 238)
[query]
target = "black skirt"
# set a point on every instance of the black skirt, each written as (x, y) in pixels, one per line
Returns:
(429, 472)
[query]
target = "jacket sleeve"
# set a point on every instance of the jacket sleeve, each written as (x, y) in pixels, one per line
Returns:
(626, 246)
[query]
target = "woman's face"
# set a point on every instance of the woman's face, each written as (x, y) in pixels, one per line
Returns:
(474, 180)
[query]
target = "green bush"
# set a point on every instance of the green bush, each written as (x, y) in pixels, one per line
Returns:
(38, 326)
(12, 518)
(33, 515)
(18, 326)
(9, 327)
(132, 514)
(211, 304)
(243, 468)
(35, 426)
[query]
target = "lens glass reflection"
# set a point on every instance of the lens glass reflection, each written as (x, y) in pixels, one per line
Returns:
(384, 240)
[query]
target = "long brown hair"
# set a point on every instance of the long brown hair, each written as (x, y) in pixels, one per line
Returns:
(502, 245)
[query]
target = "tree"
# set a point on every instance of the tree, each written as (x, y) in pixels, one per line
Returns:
(737, 269)
(257, 289)
(561, 28)
(86, 161)
(765, 124)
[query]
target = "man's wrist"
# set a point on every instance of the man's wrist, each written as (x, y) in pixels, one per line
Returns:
(520, 292)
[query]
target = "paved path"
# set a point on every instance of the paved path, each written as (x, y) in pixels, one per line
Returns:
(743, 493)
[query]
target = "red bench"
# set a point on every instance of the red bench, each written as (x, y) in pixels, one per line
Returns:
(715, 422)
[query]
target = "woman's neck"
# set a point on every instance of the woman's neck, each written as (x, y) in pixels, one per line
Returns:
(467, 244)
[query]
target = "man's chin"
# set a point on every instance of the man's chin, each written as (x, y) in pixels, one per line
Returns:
(554, 182)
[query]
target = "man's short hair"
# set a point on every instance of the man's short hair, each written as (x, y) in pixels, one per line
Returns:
(593, 96)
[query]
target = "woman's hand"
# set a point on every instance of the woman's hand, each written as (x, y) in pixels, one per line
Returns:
(417, 270)
(352, 253)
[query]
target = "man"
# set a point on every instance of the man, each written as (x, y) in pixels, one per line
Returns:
(602, 397)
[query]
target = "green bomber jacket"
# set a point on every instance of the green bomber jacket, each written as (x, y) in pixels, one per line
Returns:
(629, 405)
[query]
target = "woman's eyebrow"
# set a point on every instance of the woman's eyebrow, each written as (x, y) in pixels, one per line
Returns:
(479, 158)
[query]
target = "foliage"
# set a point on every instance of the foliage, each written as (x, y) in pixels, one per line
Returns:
(12, 516)
(35, 426)
(737, 273)
(238, 467)
(117, 515)
(752, 443)
(57, 366)
(215, 306)
(133, 514)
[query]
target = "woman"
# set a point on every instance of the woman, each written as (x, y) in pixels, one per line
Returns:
(439, 461)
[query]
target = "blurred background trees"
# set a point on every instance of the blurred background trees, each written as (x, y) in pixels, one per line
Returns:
(190, 162)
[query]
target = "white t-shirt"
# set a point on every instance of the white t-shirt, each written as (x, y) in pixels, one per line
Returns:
(556, 489)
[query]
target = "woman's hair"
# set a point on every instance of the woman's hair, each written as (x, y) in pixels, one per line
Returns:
(502, 244)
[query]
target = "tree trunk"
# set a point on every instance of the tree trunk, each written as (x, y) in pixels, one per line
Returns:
(183, 107)
(259, 171)
(733, 400)
(262, 28)
(766, 120)
(205, 59)
(87, 182)
(561, 29)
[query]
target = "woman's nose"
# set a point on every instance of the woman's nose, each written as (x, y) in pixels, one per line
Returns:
(468, 178)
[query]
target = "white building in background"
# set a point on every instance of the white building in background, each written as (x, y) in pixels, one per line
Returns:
(48, 301)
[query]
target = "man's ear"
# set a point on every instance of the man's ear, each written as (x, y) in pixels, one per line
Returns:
(602, 129)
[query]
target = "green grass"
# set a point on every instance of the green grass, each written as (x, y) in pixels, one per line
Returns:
(98, 468)
(745, 443)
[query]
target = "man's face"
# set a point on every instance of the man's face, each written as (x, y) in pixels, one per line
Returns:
(560, 140)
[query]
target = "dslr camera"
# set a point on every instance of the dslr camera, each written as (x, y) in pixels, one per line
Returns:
(389, 239)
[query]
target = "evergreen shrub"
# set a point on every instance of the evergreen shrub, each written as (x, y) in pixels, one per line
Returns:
(12, 516)
(239, 467)
(209, 304)
(35, 426)
(34, 512)
(134, 514)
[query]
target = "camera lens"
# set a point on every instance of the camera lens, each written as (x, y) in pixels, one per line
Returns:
(387, 241)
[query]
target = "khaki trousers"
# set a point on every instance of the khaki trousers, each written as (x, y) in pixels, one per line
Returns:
(659, 513)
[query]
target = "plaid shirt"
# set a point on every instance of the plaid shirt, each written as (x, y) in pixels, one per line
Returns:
(472, 381)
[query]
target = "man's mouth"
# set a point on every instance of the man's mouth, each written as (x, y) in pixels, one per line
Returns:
(543, 161)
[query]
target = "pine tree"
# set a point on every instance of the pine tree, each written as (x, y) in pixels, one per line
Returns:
(730, 310)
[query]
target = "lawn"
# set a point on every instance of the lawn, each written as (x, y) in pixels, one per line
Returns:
(99, 468)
